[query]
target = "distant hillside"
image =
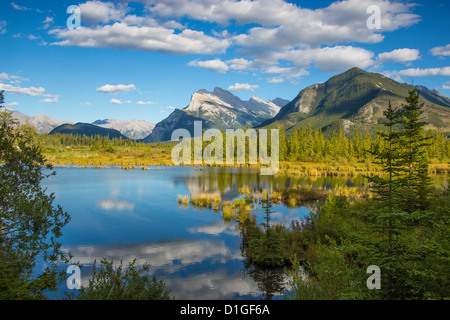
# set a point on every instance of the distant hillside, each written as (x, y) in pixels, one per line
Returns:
(42, 123)
(355, 99)
(88, 130)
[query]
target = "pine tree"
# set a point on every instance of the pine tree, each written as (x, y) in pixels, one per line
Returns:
(415, 157)
(388, 250)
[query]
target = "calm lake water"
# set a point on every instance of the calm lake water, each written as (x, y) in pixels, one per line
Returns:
(124, 215)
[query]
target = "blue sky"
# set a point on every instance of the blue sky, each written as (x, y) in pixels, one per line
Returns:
(141, 59)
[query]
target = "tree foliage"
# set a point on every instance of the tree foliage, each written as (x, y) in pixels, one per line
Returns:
(30, 224)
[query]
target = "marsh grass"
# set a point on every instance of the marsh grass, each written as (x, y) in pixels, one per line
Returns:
(206, 200)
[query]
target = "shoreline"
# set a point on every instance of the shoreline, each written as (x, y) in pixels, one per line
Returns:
(290, 168)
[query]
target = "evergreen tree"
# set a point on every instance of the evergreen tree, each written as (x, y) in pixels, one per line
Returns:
(415, 157)
(283, 144)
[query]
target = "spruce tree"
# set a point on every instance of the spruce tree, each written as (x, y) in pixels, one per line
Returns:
(415, 156)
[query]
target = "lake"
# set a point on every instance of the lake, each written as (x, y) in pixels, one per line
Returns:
(124, 215)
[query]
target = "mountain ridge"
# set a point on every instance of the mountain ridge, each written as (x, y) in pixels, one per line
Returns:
(216, 109)
(357, 99)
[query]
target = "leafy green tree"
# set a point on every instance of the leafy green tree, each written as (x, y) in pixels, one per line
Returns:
(30, 224)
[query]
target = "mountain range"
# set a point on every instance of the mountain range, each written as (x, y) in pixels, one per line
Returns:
(44, 124)
(353, 100)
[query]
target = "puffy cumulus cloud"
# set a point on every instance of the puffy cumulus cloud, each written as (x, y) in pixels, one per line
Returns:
(342, 21)
(146, 38)
(107, 88)
(242, 87)
(400, 55)
(216, 65)
(345, 17)
(30, 91)
(329, 59)
(240, 64)
(265, 12)
(116, 101)
(272, 24)
(441, 51)
(418, 72)
(97, 11)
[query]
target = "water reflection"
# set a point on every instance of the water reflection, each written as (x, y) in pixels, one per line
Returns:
(125, 215)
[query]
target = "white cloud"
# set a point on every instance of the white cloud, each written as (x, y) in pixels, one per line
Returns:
(50, 100)
(115, 101)
(19, 7)
(97, 11)
(31, 91)
(145, 102)
(441, 51)
(285, 74)
(145, 38)
(12, 104)
(216, 65)
(107, 88)
(115, 205)
(169, 108)
(446, 85)
(329, 59)
(242, 87)
(2, 26)
(277, 69)
(4, 76)
(47, 22)
(240, 64)
(277, 79)
(339, 20)
(418, 72)
(400, 55)
(342, 21)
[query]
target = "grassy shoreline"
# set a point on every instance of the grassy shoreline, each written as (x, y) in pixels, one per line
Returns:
(136, 160)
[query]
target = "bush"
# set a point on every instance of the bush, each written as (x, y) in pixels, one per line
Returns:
(111, 283)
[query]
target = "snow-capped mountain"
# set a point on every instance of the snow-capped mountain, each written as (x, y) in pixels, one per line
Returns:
(217, 109)
(134, 129)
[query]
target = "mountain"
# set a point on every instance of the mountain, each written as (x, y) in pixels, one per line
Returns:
(88, 130)
(433, 96)
(355, 99)
(177, 119)
(134, 129)
(217, 109)
(280, 102)
(42, 123)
